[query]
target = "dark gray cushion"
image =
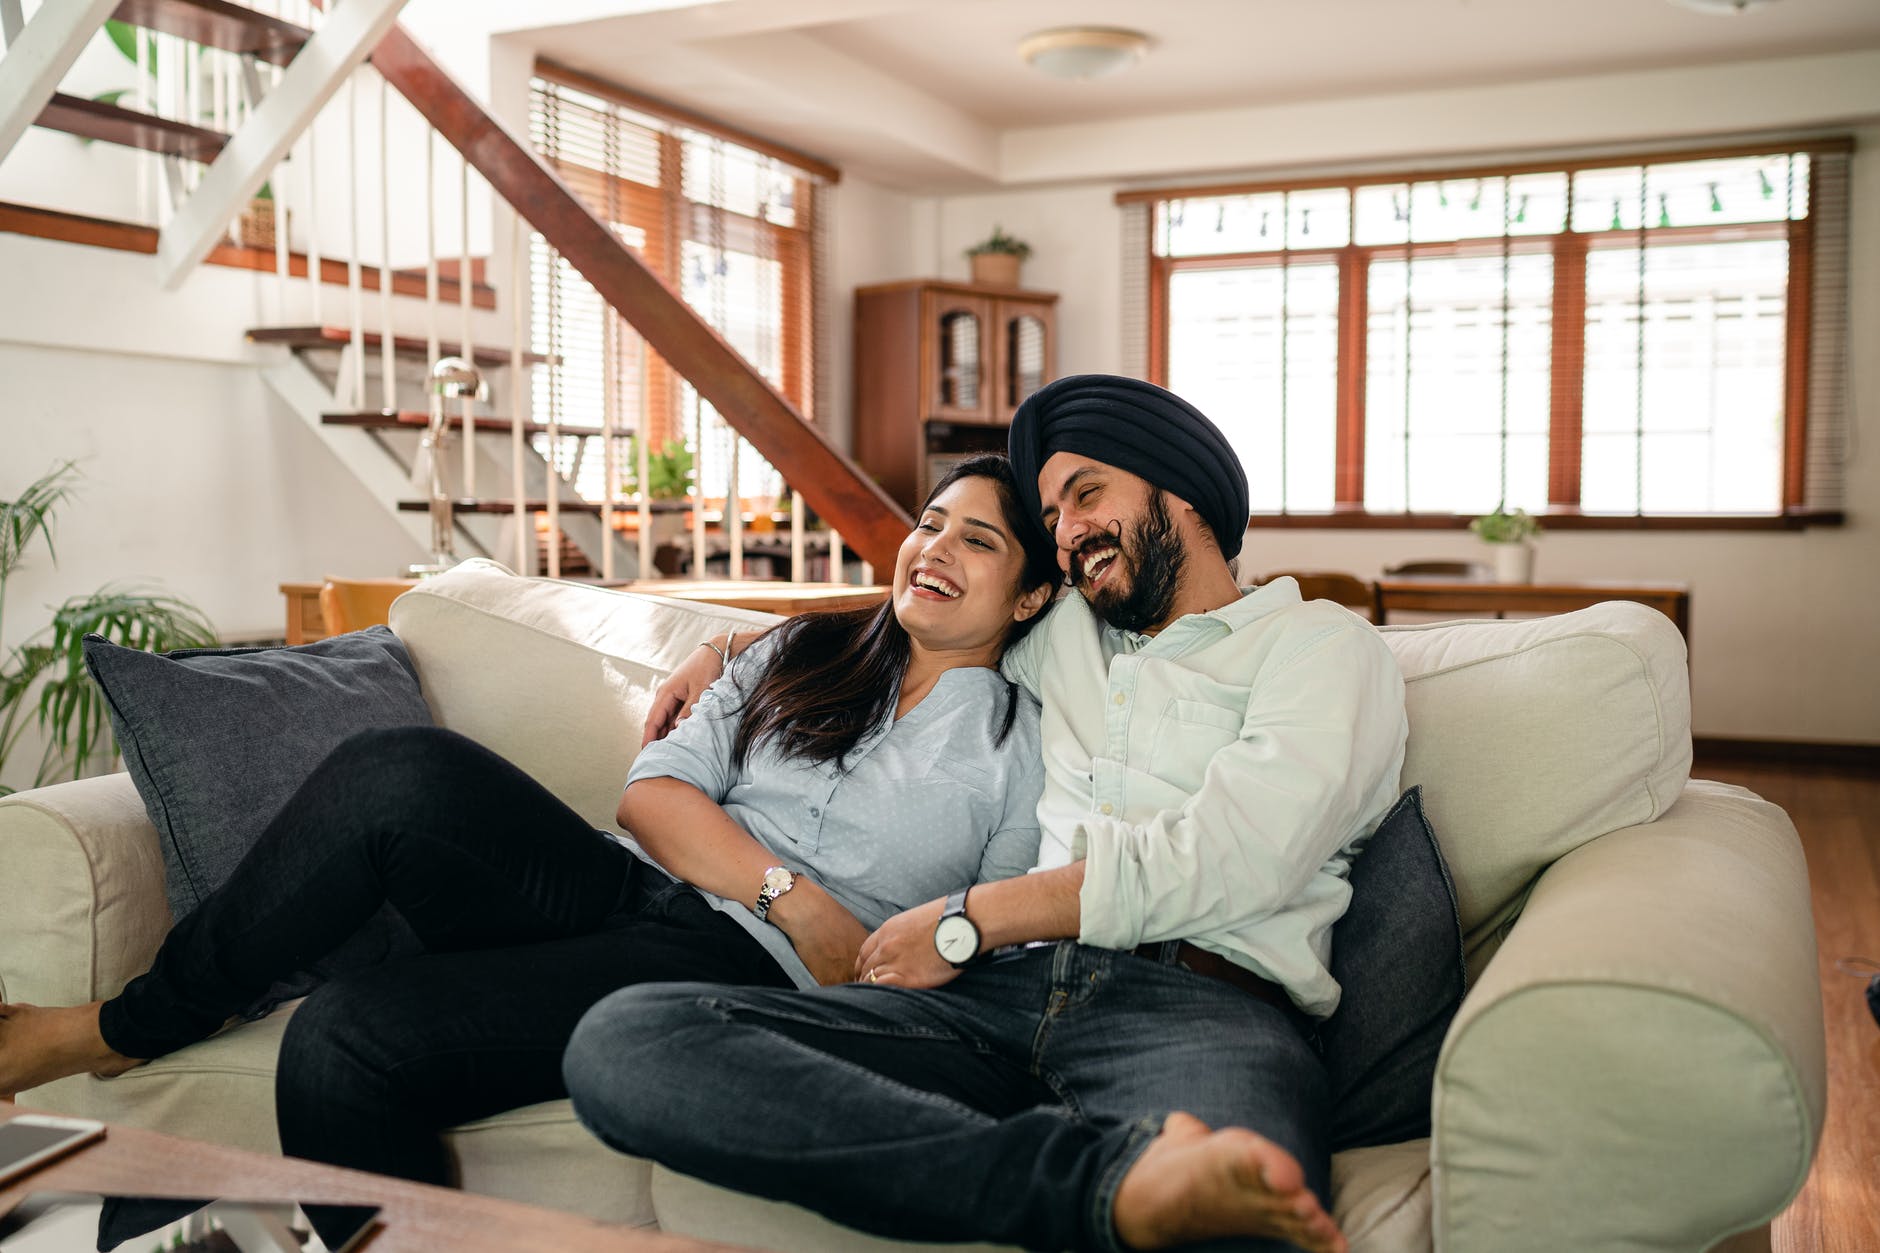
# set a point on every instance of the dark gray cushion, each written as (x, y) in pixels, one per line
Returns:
(217, 740)
(1397, 956)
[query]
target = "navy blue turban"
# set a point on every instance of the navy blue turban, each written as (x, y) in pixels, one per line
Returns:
(1138, 427)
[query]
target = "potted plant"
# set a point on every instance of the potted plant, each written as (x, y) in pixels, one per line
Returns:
(1509, 535)
(996, 259)
(668, 479)
(44, 674)
(668, 470)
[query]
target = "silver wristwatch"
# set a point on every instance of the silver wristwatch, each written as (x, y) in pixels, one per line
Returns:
(777, 881)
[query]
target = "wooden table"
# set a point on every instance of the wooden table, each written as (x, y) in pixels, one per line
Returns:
(1478, 598)
(305, 624)
(415, 1217)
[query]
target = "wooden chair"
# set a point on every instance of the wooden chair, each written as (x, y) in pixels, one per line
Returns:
(355, 604)
(1334, 585)
(1457, 569)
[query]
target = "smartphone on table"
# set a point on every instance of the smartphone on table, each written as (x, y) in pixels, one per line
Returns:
(29, 1141)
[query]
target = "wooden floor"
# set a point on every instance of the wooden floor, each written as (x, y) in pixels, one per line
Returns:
(1837, 812)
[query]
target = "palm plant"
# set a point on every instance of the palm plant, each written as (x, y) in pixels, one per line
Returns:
(67, 707)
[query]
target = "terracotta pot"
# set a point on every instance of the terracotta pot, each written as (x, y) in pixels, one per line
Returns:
(995, 269)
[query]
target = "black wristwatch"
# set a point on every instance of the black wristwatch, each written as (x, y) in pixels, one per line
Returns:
(955, 936)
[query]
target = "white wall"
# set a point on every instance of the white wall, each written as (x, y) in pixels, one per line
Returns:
(1783, 638)
(195, 481)
(876, 236)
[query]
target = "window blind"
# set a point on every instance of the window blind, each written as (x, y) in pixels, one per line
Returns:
(730, 228)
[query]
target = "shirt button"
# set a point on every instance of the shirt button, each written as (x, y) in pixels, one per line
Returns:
(1108, 808)
(1120, 698)
(814, 812)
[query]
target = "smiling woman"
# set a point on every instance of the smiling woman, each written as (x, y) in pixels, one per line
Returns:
(969, 581)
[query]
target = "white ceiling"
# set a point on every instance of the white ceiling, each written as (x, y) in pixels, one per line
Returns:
(919, 93)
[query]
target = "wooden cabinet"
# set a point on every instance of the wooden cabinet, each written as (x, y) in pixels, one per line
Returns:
(939, 370)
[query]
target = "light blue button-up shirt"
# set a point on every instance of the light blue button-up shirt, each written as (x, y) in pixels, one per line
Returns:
(923, 806)
(1216, 778)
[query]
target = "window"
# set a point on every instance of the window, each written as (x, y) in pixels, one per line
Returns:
(728, 224)
(1655, 337)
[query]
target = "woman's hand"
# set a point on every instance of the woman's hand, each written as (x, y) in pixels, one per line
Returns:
(673, 699)
(824, 934)
(902, 952)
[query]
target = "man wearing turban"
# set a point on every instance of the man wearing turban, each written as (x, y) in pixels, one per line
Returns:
(1116, 1050)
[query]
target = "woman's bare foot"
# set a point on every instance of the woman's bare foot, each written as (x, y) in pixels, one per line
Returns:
(39, 1044)
(1195, 1184)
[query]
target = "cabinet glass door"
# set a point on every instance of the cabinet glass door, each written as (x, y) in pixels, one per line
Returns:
(1025, 366)
(961, 380)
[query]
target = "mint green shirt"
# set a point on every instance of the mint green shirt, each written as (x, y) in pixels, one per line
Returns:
(1217, 777)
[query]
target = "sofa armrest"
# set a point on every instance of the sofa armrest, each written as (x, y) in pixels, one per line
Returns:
(1642, 1065)
(82, 908)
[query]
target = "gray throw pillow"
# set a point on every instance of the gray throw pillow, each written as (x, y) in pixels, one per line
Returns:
(1397, 956)
(217, 741)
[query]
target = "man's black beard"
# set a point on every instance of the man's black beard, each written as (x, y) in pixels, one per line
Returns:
(1156, 557)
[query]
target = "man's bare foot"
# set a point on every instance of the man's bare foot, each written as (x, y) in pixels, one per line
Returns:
(40, 1044)
(1195, 1184)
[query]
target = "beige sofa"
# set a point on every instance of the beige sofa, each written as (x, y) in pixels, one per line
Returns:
(1638, 1064)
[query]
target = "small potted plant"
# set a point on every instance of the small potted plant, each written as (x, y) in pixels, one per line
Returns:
(996, 259)
(668, 480)
(668, 470)
(1509, 534)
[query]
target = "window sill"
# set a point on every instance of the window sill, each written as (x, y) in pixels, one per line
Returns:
(1357, 519)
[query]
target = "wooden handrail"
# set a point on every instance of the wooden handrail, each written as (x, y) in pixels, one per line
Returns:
(870, 522)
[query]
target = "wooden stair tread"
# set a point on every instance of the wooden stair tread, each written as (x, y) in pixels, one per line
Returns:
(404, 345)
(113, 124)
(218, 24)
(504, 506)
(414, 419)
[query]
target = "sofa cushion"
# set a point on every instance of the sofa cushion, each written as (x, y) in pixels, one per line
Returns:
(1380, 1199)
(1397, 956)
(218, 740)
(556, 677)
(1531, 737)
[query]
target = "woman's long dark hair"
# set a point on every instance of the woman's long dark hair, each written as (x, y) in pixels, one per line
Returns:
(833, 677)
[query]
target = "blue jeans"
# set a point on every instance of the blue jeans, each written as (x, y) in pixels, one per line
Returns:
(1005, 1106)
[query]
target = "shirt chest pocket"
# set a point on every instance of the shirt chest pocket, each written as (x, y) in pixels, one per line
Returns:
(1187, 736)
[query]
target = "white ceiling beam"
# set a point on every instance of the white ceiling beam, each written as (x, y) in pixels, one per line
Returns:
(844, 92)
(1579, 111)
(350, 34)
(36, 62)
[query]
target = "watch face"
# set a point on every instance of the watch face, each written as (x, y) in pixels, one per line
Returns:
(776, 879)
(957, 939)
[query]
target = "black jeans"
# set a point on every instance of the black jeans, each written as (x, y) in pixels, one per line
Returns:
(526, 916)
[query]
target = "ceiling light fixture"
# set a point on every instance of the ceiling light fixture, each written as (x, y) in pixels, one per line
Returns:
(1723, 8)
(1077, 52)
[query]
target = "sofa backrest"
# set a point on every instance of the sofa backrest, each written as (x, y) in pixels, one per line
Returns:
(557, 677)
(1532, 736)
(1529, 737)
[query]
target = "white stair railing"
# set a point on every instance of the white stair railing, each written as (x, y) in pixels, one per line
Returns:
(274, 115)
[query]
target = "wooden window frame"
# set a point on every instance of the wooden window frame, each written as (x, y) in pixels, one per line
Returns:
(1567, 358)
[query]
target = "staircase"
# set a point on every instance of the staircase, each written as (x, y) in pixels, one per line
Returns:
(288, 74)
